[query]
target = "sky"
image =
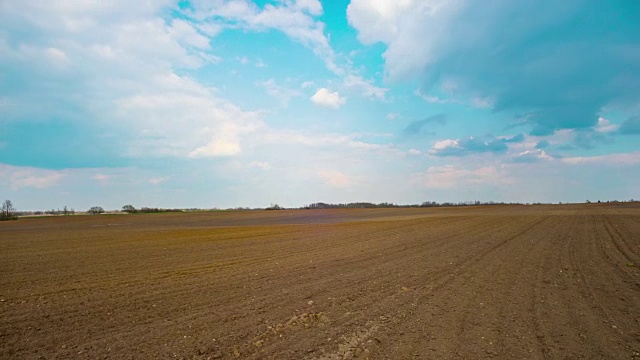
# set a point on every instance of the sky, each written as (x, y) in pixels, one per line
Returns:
(235, 103)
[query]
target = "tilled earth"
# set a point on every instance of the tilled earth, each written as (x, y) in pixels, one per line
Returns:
(479, 282)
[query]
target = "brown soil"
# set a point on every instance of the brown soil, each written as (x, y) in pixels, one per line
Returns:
(479, 282)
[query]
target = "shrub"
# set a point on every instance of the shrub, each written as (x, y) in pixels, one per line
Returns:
(95, 210)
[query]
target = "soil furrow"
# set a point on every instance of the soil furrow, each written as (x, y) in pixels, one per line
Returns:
(530, 282)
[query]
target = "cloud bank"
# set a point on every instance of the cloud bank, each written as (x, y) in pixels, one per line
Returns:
(554, 64)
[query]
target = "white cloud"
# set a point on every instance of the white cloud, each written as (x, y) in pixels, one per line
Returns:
(446, 144)
(263, 165)
(225, 142)
(157, 180)
(37, 181)
(473, 145)
(464, 42)
(365, 87)
(447, 177)
(475, 101)
(302, 138)
(296, 19)
(330, 144)
(401, 25)
(125, 61)
(57, 56)
(209, 29)
(154, 42)
(435, 99)
(605, 126)
(102, 178)
(621, 159)
(279, 92)
(187, 34)
(313, 7)
(335, 178)
(185, 120)
(532, 156)
(17, 177)
(217, 147)
(326, 98)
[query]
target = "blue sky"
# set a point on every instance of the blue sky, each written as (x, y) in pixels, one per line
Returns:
(226, 103)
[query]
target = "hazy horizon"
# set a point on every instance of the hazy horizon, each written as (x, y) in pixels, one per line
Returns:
(235, 103)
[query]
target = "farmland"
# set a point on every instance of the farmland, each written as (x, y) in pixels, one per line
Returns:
(546, 281)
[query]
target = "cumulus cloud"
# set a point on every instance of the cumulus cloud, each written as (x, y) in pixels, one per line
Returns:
(605, 126)
(121, 84)
(326, 98)
(296, 19)
(411, 30)
(182, 118)
(125, 68)
(469, 145)
(522, 70)
(225, 141)
(313, 7)
(531, 156)
(217, 147)
(299, 20)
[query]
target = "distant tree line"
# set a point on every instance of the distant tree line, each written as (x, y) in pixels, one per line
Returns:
(9, 212)
(466, 203)
(275, 207)
(132, 210)
(368, 205)
(426, 204)
(64, 211)
(356, 205)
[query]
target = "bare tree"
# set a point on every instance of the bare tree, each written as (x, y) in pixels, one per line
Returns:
(129, 208)
(95, 210)
(7, 212)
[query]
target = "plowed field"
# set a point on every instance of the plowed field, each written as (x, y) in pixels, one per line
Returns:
(539, 282)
